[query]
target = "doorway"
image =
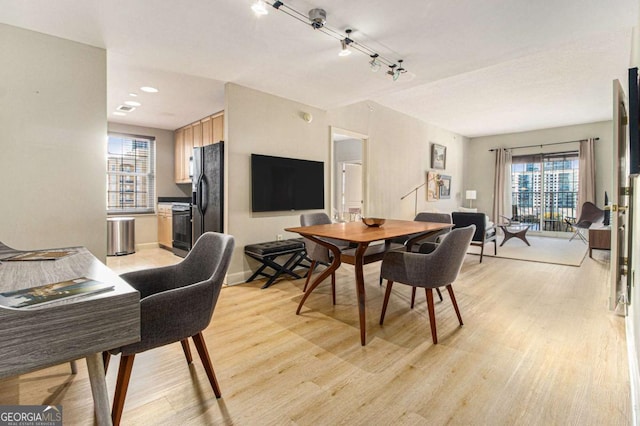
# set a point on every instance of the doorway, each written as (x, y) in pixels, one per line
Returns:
(348, 183)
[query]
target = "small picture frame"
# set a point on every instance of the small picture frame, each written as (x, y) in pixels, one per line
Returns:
(445, 187)
(438, 156)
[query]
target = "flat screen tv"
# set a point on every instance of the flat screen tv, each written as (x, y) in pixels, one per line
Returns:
(279, 184)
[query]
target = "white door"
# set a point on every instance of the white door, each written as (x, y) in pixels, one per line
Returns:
(352, 191)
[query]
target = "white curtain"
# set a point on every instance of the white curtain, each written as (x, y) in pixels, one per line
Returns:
(502, 185)
(586, 174)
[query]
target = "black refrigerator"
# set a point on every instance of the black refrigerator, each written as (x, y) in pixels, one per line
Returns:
(208, 187)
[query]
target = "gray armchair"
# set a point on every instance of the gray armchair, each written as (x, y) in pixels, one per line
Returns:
(589, 214)
(176, 302)
(432, 270)
(316, 252)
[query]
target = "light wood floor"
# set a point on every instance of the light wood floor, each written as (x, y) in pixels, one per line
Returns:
(538, 348)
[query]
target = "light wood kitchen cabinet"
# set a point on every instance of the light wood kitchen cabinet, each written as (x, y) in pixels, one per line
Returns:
(165, 226)
(179, 155)
(197, 134)
(217, 126)
(207, 136)
(183, 154)
(207, 131)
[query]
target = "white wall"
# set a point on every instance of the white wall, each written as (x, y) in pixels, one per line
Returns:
(53, 131)
(479, 161)
(397, 156)
(264, 124)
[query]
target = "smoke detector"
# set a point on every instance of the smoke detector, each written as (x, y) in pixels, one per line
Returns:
(317, 17)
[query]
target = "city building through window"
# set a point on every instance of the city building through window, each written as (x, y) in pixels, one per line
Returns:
(130, 174)
(544, 189)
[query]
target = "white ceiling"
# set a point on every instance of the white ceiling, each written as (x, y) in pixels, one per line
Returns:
(475, 67)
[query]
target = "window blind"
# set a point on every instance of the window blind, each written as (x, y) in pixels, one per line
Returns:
(130, 174)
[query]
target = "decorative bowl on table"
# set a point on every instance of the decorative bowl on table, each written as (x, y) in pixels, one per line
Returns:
(372, 221)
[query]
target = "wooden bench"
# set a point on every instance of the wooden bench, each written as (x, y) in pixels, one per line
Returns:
(267, 254)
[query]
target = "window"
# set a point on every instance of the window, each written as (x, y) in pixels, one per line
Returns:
(545, 189)
(130, 174)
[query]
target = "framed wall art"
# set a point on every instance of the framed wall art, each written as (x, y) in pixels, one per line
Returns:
(433, 191)
(438, 156)
(445, 186)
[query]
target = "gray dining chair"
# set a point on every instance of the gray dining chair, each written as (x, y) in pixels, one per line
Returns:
(176, 302)
(425, 245)
(429, 270)
(315, 252)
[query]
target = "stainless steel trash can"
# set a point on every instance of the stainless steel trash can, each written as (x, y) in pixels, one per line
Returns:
(121, 236)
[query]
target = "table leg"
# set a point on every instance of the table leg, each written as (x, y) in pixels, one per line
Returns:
(99, 389)
(362, 248)
(335, 264)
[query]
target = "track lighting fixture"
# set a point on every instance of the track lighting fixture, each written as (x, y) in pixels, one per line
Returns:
(373, 63)
(317, 18)
(396, 69)
(345, 42)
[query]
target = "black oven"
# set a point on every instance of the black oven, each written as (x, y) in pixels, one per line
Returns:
(182, 230)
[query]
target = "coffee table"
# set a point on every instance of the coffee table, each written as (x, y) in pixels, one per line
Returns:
(514, 230)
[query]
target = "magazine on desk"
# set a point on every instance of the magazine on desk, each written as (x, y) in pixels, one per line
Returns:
(40, 255)
(48, 293)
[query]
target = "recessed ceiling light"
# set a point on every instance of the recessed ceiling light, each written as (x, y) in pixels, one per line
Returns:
(122, 114)
(135, 95)
(125, 108)
(149, 89)
(133, 103)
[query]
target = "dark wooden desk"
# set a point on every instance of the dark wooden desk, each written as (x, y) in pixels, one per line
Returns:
(68, 329)
(362, 235)
(599, 239)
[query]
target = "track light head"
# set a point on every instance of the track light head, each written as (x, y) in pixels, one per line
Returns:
(317, 17)
(373, 63)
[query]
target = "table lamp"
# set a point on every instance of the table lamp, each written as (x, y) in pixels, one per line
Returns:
(470, 195)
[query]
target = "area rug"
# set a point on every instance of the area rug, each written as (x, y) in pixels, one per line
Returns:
(543, 249)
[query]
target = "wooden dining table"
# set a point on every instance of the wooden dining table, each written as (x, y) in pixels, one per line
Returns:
(362, 236)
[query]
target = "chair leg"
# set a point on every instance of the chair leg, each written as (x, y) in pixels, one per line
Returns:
(186, 350)
(386, 300)
(439, 294)
(206, 362)
(432, 315)
(106, 356)
(481, 251)
(333, 287)
(74, 367)
(311, 268)
(495, 247)
(124, 374)
(455, 304)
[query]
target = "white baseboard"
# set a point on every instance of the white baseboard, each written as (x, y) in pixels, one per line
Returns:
(237, 278)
